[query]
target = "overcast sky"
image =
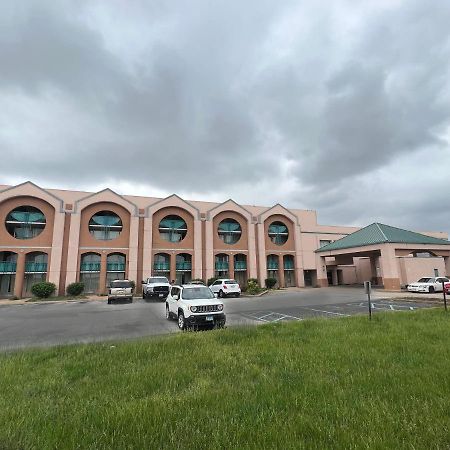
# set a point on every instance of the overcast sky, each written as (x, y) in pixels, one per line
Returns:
(338, 106)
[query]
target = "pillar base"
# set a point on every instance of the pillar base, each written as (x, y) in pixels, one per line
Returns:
(322, 282)
(392, 284)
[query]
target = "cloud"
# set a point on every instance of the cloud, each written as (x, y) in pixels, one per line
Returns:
(312, 105)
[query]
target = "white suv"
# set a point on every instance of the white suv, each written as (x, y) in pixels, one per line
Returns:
(226, 287)
(119, 290)
(194, 306)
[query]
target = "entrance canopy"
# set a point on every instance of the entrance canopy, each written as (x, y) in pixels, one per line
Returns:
(384, 245)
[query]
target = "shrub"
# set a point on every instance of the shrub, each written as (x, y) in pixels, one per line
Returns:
(270, 282)
(211, 281)
(253, 286)
(133, 285)
(75, 288)
(43, 289)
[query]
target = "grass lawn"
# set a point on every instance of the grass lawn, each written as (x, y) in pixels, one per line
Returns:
(343, 383)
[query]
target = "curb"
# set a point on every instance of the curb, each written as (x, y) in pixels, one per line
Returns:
(255, 295)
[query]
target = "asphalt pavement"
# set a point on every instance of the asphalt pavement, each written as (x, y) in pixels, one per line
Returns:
(47, 324)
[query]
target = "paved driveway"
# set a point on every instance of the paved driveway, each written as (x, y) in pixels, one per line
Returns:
(90, 321)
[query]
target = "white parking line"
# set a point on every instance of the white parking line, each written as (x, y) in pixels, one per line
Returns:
(329, 312)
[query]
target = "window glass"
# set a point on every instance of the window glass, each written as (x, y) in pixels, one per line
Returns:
(25, 222)
(105, 225)
(197, 293)
(229, 231)
(121, 284)
(324, 242)
(278, 233)
(230, 282)
(425, 280)
(172, 228)
(158, 280)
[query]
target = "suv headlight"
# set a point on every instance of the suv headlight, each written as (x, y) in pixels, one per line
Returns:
(150, 289)
(219, 307)
(193, 309)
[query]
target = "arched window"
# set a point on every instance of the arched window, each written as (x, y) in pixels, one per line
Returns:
(115, 267)
(172, 228)
(8, 266)
(278, 233)
(229, 231)
(35, 269)
(105, 225)
(161, 263)
(90, 272)
(221, 265)
(25, 222)
(183, 268)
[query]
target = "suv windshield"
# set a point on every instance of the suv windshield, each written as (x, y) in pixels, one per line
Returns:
(121, 284)
(158, 280)
(197, 293)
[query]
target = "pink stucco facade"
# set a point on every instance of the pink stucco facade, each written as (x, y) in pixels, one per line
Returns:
(71, 251)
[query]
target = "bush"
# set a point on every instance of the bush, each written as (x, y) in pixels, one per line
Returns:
(211, 281)
(43, 289)
(270, 282)
(75, 288)
(133, 285)
(253, 286)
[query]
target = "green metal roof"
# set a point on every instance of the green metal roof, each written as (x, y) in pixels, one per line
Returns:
(378, 233)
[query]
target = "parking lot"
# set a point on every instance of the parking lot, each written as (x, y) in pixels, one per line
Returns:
(47, 323)
(333, 310)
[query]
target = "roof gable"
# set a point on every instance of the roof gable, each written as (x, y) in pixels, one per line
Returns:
(378, 233)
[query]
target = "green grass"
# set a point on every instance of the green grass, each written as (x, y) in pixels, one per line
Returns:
(343, 383)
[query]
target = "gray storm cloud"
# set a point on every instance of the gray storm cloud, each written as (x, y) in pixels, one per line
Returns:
(343, 109)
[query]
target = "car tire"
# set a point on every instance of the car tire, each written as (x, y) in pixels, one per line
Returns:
(221, 294)
(431, 290)
(130, 299)
(238, 295)
(181, 321)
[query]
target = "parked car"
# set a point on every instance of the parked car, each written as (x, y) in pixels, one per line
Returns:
(194, 305)
(120, 290)
(155, 287)
(428, 284)
(226, 287)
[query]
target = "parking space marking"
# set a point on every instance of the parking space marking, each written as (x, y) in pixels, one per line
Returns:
(327, 312)
(272, 316)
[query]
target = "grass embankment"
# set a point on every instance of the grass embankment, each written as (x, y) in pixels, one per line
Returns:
(343, 383)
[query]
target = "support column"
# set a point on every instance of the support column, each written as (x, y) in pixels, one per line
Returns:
(322, 280)
(132, 262)
(197, 270)
(102, 280)
(173, 266)
(72, 250)
(147, 267)
(447, 265)
(389, 267)
(209, 250)
(231, 266)
(252, 267)
(55, 255)
(20, 274)
(281, 282)
(298, 259)
(262, 272)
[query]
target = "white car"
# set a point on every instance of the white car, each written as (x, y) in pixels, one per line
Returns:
(194, 306)
(226, 287)
(428, 284)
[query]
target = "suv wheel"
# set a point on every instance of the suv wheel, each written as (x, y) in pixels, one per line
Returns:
(181, 321)
(431, 290)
